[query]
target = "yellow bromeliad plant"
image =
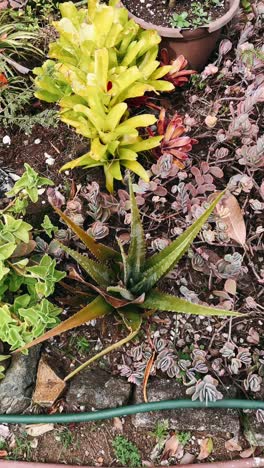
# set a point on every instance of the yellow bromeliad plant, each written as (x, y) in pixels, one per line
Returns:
(100, 60)
(125, 283)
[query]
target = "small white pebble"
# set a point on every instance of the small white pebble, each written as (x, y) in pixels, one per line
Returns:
(6, 140)
(37, 141)
(209, 328)
(47, 155)
(67, 172)
(50, 161)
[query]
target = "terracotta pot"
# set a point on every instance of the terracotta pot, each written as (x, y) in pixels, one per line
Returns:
(195, 44)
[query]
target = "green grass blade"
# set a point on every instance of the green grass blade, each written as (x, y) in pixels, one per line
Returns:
(97, 308)
(161, 263)
(100, 273)
(137, 248)
(100, 251)
(166, 302)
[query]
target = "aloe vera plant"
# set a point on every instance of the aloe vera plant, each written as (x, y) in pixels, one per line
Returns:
(100, 60)
(125, 283)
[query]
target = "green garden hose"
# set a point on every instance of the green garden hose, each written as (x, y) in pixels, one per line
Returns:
(127, 410)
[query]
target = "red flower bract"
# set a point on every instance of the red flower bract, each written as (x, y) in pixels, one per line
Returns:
(174, 142)
(178, 75)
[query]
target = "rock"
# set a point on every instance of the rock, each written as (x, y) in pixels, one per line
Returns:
(253, 430)
(210, 420)
(16, 388)
(96, 389)
(49, 385)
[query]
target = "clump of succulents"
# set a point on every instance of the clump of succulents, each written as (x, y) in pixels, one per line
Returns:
(93, 71)
(125, 283)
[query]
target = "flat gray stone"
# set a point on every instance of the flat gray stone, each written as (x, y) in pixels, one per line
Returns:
(17, 386)
(96, 389)
(210, 420)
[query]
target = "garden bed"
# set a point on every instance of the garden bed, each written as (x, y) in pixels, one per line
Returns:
(220, 120)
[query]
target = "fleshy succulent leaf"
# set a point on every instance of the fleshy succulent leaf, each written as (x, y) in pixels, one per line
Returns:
(137, 248)
(97, 308)
(100, 251)
(162, 262)
(156, 299)
(100, 273)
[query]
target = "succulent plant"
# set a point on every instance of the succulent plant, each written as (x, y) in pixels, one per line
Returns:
(205, 390)
(126, 283)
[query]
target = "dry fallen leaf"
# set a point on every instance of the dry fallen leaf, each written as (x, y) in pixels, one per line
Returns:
(232, 445)
(49, 385)
(171, 447)
(230, 286)
(36, 430)
(3, 453)
(229, 211)
(206, 448)
(118, 426)
(248, 452)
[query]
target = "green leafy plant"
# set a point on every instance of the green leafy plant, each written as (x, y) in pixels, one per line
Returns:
(26, 190)
(180, 20)
(126, 452)
(25, 281)
(184, 437)
(93, 72)
(126, 283)
(200, 16)
(14, 42)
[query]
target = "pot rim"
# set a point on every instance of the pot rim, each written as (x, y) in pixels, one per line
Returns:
(189, 33)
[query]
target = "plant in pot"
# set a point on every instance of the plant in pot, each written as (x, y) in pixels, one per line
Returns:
(188, 27)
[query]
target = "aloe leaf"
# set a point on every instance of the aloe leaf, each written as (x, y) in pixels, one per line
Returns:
(137, 248)
(100, 273)
(156, 299)
(100, 251)
(160, 264)
(97, 308)
(133, 322)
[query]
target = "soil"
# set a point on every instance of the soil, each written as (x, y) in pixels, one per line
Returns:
(158, 13)
(91, 444)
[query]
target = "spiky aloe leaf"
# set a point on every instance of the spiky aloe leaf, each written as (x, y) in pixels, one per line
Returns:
(101, 274)
(136, 167)
(100, 251)
(97, 308)
(161, 263)
(132, 320)
(137, 248)
(156, 299)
